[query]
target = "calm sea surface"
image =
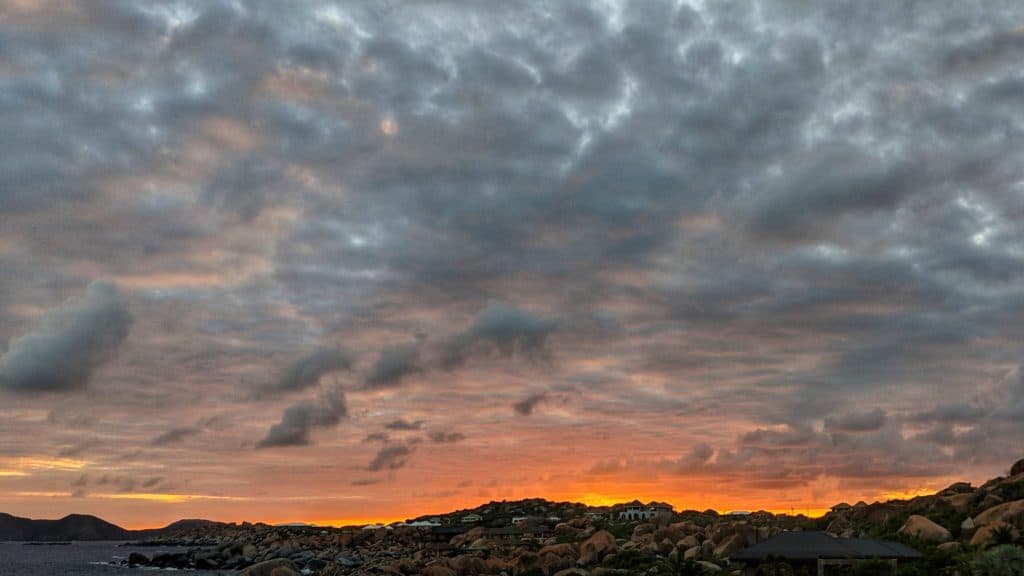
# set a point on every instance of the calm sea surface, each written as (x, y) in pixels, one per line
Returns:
(78, 559)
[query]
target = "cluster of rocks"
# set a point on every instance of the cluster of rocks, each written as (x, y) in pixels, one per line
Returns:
(588, 544)
(576, 547)
(953, 519)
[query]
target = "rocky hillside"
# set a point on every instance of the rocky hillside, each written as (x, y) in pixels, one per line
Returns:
(71, 527)
(956, 518)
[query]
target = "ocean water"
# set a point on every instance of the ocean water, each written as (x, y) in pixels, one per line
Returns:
(80, 559)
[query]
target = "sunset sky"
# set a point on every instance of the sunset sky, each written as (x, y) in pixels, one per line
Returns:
(342, 262)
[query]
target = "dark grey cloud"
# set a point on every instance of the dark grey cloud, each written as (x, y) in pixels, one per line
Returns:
(953, 412)
(394, 364)
(863, 421)
(376, 437)
(824, 186)
(69, 345)
(443, 437)
(175, 435)
(698, 456)
(526, 406)
(299, 419)
(244, 185)
(500, 328)
(403, 424)
(307, 371)
(390, 457)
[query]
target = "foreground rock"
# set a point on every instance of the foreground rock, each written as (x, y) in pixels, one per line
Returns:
(596, 548)
(924, 529)
(275, 567)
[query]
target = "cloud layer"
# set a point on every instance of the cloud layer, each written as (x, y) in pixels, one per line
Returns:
(731, 254)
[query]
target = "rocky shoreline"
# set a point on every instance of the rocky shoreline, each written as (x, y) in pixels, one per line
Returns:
(540, 538)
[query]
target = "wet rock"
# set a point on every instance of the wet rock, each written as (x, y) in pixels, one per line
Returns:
(268, 567)
(137, 559)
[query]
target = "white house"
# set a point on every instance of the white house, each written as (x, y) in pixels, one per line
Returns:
(636, 511)
(472, 519)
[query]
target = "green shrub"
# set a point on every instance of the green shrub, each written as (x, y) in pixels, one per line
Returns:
(1003, 560)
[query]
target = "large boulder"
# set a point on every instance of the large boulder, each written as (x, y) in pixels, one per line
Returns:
(136, 559)
(707, 548)
(567, 530)
(924, 529)
(268, 567)
(437, 570)
(730, 545)
(468, 565)
(596, 548)
(1001, 516)
(985, 535)
(496, 565)
(557, 557)
(1007, 511)
(688, 542)
(524, 562)
(1017, 468)
(960, 502)
(467, 537)
(641, 531)
(563, 550)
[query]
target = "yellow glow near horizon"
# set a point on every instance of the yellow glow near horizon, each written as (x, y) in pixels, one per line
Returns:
(4, 473)
(20, 464)
(593, 499)
(167, 498)
(907, 494)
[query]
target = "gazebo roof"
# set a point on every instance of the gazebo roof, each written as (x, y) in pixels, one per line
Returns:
(812, 545)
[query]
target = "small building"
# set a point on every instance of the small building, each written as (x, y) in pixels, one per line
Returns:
(537, 530)
(506, 535)
(472, 519)
(520, 520)
(636, 511)
(818, 553)
(443, 534)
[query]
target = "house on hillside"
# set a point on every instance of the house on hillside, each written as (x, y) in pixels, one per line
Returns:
(818, 553)
(472, 519)
(636, 511)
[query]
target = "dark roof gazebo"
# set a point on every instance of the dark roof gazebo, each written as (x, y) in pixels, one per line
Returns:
(822, 550)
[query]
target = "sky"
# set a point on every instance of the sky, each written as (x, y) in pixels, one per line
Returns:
(342, 262)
